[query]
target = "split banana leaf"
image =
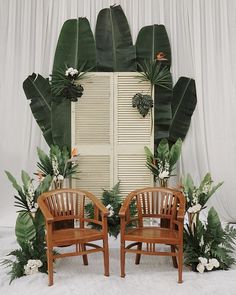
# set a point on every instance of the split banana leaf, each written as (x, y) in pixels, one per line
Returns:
(38, 90)
(75, 46)
(153, 43)
(183, 105)
(114, 46)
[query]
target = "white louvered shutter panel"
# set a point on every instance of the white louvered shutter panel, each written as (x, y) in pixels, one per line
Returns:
(92, 133)
(131, 133)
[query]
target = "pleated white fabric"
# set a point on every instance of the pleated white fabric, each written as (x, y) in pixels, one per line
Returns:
(202, 35)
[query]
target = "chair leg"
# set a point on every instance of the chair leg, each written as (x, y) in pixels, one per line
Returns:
(85, 257)
(106, 256)
(180, 264)
(122, 259)
(138, 256)
(174, 259)
(50, 266)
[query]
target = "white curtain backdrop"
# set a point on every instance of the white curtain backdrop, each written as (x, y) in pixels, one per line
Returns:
(202, 36)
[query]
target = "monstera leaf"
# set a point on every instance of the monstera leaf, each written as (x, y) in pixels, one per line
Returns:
(37, 89)
(25, 229)
(153, 43)
(75, 46)
(183, 105)
(115, 50)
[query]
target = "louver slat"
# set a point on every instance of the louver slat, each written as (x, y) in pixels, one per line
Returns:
(132, 133)
(92, 134)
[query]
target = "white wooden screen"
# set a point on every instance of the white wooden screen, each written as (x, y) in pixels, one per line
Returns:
(110, 135)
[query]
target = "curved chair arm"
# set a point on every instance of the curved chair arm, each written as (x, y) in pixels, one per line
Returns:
(181, 211)
(46, 213)
(126, 204)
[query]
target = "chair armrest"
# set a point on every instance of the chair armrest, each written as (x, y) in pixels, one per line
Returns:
(46, 213)
(98, 204)
(125, 205)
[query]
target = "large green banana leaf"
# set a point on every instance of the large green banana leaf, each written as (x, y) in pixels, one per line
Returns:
(61, 122)
(115, 49)
(37, 89)
(152, 40)
(162, 113)
(75, 46)
(183, 105)
(24, 229)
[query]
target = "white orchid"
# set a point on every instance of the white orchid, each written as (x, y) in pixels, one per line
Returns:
(71, 72)
(110, 210)
(214, 262)
(200, 268)
(164, 174)
(203, 260)
(32, 266)
(60, 177)
(194, 209)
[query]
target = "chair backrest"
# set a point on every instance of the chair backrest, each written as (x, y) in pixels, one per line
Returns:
(159, 203)
(65, 203)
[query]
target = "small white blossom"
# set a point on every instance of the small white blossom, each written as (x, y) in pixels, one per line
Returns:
(32, 266)
(194, 209)
(203, 260)
(71, 72)
(110, 210)
(200, 268)
(163, 174)
(60, 177)
(209, 266)
(201, 242)
(214, 262)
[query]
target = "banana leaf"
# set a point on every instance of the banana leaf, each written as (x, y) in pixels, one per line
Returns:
(75, 46)
(61, 122)
(37, 89)
(183, 105)
(152, 40)
(162, 113)
(24, 229)
(115, 49)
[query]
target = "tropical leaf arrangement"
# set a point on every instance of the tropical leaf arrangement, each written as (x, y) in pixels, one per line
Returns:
(207, 245)
(162, 163)
(30, 256)
(112, 200)
(59, 164)
(143, 102)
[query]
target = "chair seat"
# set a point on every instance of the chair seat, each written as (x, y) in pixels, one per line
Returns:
(75, 235)
(152, 235)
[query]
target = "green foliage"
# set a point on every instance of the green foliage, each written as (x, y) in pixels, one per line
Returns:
(38, 90)
(114, 47)
(58, 164)
(112, 200)
(209, 240)
(163, 162)
(151, 41)
(29, 227)
(143, 103)
(156, 74)
(198, 195)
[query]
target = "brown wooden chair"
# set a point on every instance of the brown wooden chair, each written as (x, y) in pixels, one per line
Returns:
(158, 204)
(66, 205)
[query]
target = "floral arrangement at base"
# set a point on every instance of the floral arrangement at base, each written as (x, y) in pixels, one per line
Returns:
(112, 200)
(30, 257)
(207, 245)
(163, 162)
(59, 164)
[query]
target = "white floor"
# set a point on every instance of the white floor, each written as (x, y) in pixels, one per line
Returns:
(154, 275)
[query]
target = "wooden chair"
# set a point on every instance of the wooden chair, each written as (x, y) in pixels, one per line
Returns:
(158, 204)
(68, 204)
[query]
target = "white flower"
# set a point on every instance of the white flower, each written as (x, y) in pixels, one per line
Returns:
(60, 177)
(214, 262)
(209, 266)
(201, 242)
(32, 266)
(203, 260)
(110, 209)
(194, 209)
(163, 174)
(33, 210)
(200, 268)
